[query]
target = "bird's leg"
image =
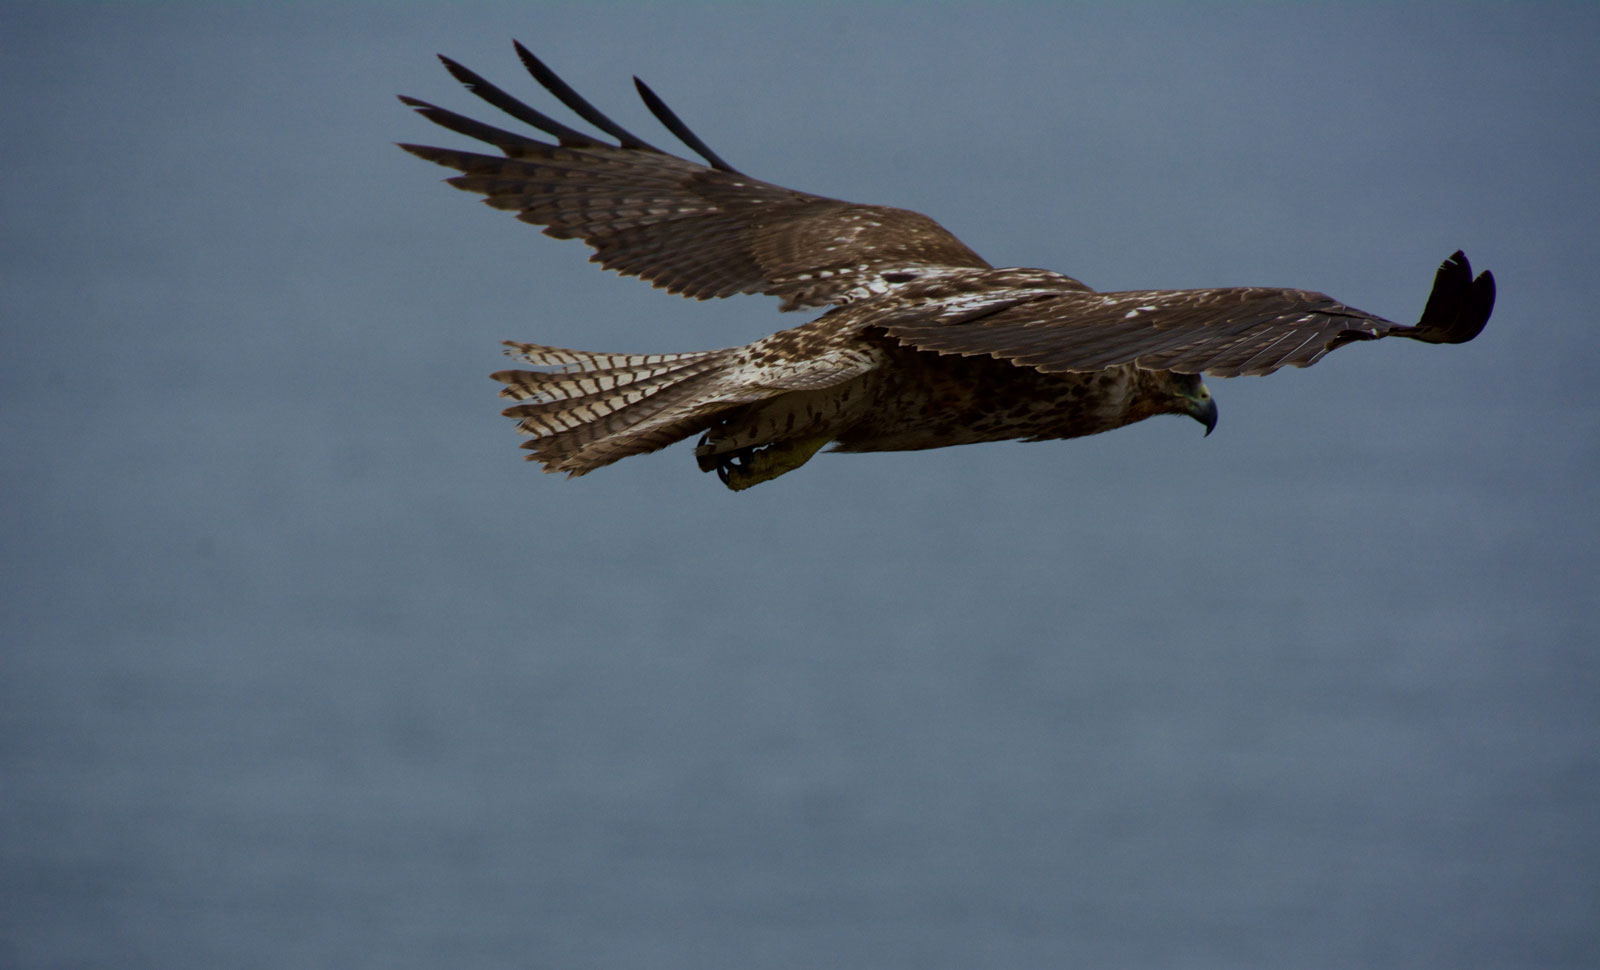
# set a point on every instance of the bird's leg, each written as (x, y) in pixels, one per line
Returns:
(746, 467)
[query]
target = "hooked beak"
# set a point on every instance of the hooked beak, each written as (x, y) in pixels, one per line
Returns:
(1204, 409)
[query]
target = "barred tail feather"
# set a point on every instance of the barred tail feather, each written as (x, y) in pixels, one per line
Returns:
(583, 360)
(594, 409)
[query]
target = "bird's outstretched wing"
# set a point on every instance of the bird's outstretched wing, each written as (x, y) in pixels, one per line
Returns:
(1221, 332)
(700, 230)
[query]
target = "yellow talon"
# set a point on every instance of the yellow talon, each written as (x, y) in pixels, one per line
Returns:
(770, 462)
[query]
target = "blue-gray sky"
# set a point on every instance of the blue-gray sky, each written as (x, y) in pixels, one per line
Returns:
(303, 666)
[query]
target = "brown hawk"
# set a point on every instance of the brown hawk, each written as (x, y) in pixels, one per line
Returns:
(925, 344)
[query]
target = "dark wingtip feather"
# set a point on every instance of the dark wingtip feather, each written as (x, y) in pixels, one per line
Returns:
(564, 93)
(509, 142)
(459, 71)
(530, 60)
(1480, 304)
(1458, 307)
(670, 120)
(475, 83)
(421, 151)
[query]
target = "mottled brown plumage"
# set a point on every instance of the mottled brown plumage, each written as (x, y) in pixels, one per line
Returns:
(926, 345)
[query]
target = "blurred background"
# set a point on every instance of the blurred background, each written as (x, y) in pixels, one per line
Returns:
(303, 667)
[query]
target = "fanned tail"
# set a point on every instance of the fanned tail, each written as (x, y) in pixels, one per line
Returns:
(592, 409)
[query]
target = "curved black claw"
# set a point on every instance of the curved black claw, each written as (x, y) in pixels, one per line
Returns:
(733, 462)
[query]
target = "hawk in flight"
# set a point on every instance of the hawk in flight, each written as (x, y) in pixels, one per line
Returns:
(923, 344)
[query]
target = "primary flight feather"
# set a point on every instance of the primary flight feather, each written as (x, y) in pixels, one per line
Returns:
(925, 344)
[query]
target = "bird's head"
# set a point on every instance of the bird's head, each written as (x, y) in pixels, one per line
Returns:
(1195, 400)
